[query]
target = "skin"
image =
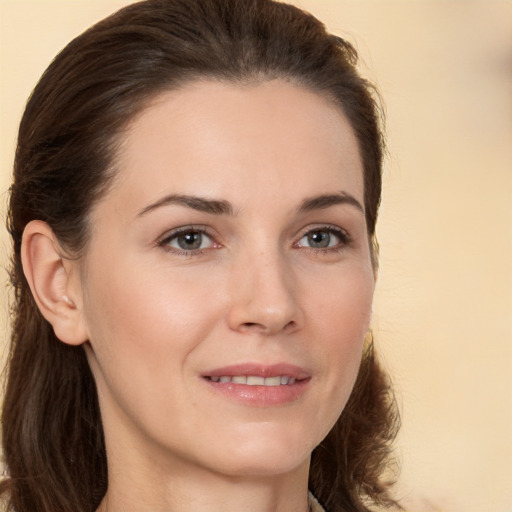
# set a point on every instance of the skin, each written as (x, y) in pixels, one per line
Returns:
(156, 317)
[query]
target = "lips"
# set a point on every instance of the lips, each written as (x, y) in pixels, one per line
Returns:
(259, 370)
(259, 385)
(255, 380)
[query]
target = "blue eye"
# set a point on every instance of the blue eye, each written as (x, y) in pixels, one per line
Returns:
(323, 238)
(188, 240)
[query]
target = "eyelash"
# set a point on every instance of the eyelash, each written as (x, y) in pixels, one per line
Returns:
(186, 230)
(343, 237)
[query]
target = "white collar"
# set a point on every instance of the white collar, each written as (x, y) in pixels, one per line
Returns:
(314, 506)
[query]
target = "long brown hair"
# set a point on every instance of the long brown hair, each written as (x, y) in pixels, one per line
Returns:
(53, 442)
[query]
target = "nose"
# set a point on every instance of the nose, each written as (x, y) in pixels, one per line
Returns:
(264, 293)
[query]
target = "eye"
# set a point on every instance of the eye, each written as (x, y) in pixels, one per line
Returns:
(187, 240)
(324, 238)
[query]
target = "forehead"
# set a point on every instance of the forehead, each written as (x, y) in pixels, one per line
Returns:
(216, 139)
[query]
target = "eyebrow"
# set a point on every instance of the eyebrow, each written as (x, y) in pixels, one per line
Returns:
(221, 207)
(328, 200)
(201, 204)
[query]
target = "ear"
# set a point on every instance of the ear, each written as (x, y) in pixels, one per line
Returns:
(54, 282)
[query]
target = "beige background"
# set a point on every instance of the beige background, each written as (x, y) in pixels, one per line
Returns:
(443, 310)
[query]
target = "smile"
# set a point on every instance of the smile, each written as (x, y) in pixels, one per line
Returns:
(254, 380)
(259, 385)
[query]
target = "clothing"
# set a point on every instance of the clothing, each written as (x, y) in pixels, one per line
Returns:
(314, 506)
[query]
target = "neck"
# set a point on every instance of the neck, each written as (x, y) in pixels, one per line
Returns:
(204, 491)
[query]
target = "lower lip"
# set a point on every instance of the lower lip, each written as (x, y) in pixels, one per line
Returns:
(261, 396)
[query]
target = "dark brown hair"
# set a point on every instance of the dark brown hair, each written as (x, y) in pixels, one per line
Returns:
(52, 433)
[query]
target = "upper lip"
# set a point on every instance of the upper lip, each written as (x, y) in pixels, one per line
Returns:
(260, 370)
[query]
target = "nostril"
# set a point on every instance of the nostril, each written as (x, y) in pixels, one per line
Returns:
(290, 325)
(259, 326)
(254, 326)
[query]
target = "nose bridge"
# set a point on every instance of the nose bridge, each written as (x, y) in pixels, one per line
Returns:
(264, 293)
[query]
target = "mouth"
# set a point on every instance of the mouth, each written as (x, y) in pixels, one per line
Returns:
(255, 380)
(259, 385)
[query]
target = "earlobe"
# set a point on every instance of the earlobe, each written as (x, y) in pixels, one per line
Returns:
(54, 282)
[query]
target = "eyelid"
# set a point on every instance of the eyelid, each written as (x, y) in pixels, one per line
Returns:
(172, 234)
(167, 237)
(341, 233)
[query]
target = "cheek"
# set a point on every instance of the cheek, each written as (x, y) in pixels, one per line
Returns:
(343, 305)
(142, 328)
(146, 307)
(142, 333)
(341, 319)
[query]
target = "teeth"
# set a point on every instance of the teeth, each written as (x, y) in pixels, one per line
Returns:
(253, 380)
(273, 381)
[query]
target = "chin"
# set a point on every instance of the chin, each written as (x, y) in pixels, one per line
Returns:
(267, 454)
(268, 466)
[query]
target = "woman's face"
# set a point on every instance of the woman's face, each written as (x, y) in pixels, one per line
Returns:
(227, 287)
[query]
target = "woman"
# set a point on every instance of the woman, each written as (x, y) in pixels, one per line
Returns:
(193, 215)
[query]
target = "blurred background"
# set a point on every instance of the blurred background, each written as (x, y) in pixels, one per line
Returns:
(443, 308)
